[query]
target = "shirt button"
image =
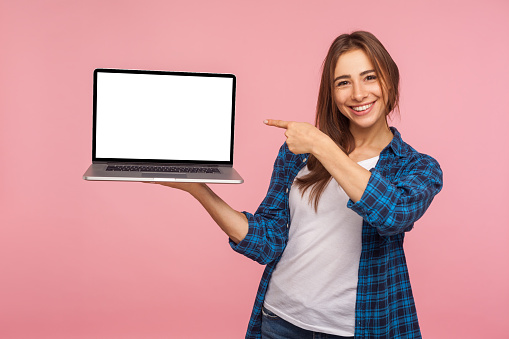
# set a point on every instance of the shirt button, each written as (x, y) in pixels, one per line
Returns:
(287, 225)
(287, 190)
(304, 160)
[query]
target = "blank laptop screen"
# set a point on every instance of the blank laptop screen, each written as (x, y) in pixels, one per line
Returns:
(160, 116)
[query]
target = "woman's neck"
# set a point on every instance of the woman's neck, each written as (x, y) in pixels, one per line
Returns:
(375, 138)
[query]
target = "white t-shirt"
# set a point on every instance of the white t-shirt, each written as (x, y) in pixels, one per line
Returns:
(314, 285)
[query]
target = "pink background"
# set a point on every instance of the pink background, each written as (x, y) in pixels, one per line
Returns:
(125, 260)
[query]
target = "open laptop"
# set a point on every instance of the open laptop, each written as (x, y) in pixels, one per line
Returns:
(163, 126)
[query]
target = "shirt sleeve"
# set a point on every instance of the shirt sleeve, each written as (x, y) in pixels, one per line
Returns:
(267, 234)
(392, 207)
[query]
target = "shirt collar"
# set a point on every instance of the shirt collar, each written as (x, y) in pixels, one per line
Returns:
(396, 143)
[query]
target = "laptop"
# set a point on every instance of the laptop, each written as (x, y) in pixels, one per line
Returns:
(163, 126)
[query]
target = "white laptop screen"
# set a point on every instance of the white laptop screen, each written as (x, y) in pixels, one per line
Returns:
(164, 116)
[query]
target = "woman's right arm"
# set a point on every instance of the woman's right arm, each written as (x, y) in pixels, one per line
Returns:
(260, 236)
(232, 222)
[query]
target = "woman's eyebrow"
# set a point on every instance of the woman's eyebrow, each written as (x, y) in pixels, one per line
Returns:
(347, 76)
(366, 72)
(342, 77)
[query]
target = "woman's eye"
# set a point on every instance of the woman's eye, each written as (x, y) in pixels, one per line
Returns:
(342, 83)
(371, 77)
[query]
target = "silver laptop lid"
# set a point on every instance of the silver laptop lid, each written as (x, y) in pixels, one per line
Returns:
(163, 117)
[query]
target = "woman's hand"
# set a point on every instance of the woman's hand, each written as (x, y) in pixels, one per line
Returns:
(301, 137)
(190, 187)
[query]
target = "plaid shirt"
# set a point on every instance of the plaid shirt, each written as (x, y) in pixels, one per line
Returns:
(400, 189)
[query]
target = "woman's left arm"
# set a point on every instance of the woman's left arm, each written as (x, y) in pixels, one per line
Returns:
(303, 137)
(390, 206)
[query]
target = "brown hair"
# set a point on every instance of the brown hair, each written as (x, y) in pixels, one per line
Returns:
(328, 117)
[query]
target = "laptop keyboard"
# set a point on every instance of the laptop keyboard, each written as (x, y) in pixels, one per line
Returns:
(173, 169)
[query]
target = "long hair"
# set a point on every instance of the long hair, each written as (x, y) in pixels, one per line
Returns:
(328, 117)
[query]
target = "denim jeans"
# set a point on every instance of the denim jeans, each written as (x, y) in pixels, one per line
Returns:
(273, 327)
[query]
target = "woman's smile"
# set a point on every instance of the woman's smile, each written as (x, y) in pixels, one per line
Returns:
(362, 109)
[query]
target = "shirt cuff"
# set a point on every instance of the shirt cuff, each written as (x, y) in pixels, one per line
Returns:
(243, 246)
(375, 201)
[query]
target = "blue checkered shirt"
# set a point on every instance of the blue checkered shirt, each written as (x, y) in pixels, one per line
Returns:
(400, 189)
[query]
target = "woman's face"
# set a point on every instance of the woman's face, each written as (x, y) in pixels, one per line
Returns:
(357, 91)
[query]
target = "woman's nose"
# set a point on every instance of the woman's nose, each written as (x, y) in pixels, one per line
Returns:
(359, 92)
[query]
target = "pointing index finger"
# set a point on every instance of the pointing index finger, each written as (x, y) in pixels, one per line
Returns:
(277, 123)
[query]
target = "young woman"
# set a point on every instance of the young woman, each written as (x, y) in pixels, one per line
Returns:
(341, 197)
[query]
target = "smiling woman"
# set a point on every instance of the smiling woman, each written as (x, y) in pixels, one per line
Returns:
(341, 197)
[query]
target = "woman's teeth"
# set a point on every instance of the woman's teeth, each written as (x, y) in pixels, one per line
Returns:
(362, 108)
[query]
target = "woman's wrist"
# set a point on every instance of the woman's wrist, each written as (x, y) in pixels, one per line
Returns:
(197, 190)
(323, 146)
